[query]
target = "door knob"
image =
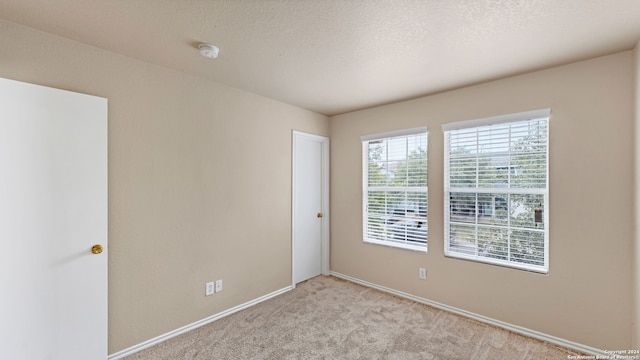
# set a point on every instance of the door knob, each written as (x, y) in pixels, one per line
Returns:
(96, 249)
(319, 215)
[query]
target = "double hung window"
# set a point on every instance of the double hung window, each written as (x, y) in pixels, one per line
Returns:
(395, 189)
(497, 190)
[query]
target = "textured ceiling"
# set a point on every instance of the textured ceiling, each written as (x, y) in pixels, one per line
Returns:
(335, 56)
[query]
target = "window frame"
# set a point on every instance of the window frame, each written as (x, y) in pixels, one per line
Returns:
(386, 136)
(542, 114)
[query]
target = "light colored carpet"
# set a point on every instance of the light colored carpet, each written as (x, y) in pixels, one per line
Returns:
(329, 318)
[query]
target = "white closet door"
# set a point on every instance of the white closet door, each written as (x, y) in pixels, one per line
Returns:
(53, 209)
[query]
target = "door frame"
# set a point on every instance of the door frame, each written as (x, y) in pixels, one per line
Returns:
(325, 251)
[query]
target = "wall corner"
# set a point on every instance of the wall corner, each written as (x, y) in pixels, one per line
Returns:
(635, 323)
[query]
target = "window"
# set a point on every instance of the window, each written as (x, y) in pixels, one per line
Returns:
(497, 190)
(395, 188)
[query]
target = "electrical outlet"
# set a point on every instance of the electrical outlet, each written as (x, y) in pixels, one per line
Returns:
(218, 286)
(208, 290)
(422, 273)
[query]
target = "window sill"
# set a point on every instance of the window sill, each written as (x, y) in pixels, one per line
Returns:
(496, 262)
(398, 245)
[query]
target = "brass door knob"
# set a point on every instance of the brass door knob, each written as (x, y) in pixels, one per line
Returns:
(96, 249)
(319, 215)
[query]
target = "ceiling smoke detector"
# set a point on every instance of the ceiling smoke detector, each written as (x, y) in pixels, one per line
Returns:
(208, 50)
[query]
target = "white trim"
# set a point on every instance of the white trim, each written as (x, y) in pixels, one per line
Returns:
(365, 189)
(517, 329)
(500, 119)
(324, 142)
(501, 324)
(151, 342)
(396, 133)
(310, 136)
(326, 230)
(397, 245)
(538, 269)
(496, 190)
(421, 189)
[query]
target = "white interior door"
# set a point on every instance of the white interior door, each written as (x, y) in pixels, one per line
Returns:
(310, 206)
(53, 209)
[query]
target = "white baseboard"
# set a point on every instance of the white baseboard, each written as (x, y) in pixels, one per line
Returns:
(517, 329)
(134, 349)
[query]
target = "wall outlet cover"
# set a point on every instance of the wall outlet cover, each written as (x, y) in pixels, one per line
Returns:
(208, 290)
(422, 273)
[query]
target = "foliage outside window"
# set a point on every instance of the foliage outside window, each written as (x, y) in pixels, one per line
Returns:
(395, 189)
(497, 190)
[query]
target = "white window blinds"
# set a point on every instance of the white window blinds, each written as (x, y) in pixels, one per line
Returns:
(395, 188)
(496, 190)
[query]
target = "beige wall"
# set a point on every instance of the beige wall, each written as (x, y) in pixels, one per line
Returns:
(199, 182)
(186, 205)
(586, 297)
